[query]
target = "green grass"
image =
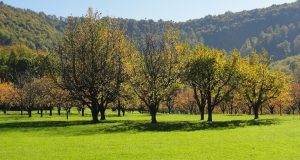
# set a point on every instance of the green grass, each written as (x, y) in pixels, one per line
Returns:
(133, 137)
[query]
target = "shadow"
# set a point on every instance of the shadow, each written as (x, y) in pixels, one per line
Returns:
(186, 125)
(117, 126)
(233, 115)
(41, 124)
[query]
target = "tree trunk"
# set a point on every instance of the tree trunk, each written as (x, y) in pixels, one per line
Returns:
(261, 110)
(271, 110)
(249, 110)
(202, 112)
(223, 111)
(58, 110)
(119, 108)
(29, 113)
(95, 113)
(123, 111)
(280, 110)
(102, 114)
(200, 104)
(41, 112)
(82, 111)
(209, 108)
(152, 109)
(21, 112)
(209, 112)
(50, 114)
(255, 111)
(68, 111)
(153, 118)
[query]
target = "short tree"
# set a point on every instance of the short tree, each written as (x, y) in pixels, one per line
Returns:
(8, 95)
(213, 75)
(259, 83)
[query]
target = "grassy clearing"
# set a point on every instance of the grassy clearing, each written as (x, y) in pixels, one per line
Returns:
(132, 137)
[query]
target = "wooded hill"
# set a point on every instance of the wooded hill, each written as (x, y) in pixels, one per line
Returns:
(276, 28)
(35, 30)
(289, 65)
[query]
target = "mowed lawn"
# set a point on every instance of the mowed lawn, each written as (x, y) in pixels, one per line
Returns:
(133, 137)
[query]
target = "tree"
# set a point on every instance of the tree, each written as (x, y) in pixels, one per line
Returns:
(170, 99)
(233, 103)
(28, 94)
(295, 96)
(284, 100)
(193, 81)
(89, 58)
(297, 44)
(18, 60)
(260, 84)
(8, 95)
(212, 75)
(184, 101)
(155, 71)
(124, 92)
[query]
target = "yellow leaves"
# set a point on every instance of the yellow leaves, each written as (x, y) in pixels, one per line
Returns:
(155, 71)
(259, 83)
(288, 94)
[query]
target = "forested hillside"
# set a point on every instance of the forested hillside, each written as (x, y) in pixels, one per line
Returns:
(276, 28)
(290, 66)
(35, 30)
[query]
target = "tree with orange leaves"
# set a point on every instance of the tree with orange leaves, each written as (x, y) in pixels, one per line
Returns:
(185, 102)
(295, 98)
(284, 100)
(8, 93)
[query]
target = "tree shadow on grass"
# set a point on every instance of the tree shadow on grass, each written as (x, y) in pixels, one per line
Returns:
(41, 124)
(48, 124)
(144, 126)
(119, 126)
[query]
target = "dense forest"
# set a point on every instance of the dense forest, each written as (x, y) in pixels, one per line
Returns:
(276, 29)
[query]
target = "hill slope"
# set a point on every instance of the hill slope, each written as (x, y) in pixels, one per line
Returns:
(36, 30)
(289, 65)
(276, 28)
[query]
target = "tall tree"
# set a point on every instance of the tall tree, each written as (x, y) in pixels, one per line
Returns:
(90, 55)
(155, 71)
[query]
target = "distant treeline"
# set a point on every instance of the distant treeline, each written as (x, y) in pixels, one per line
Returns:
(275, 29)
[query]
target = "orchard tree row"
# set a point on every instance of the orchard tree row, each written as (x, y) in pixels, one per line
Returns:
(96, 66)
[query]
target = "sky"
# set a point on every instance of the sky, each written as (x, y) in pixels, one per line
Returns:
(175, 10)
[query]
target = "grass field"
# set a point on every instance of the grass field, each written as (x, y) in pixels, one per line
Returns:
(132, 137)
